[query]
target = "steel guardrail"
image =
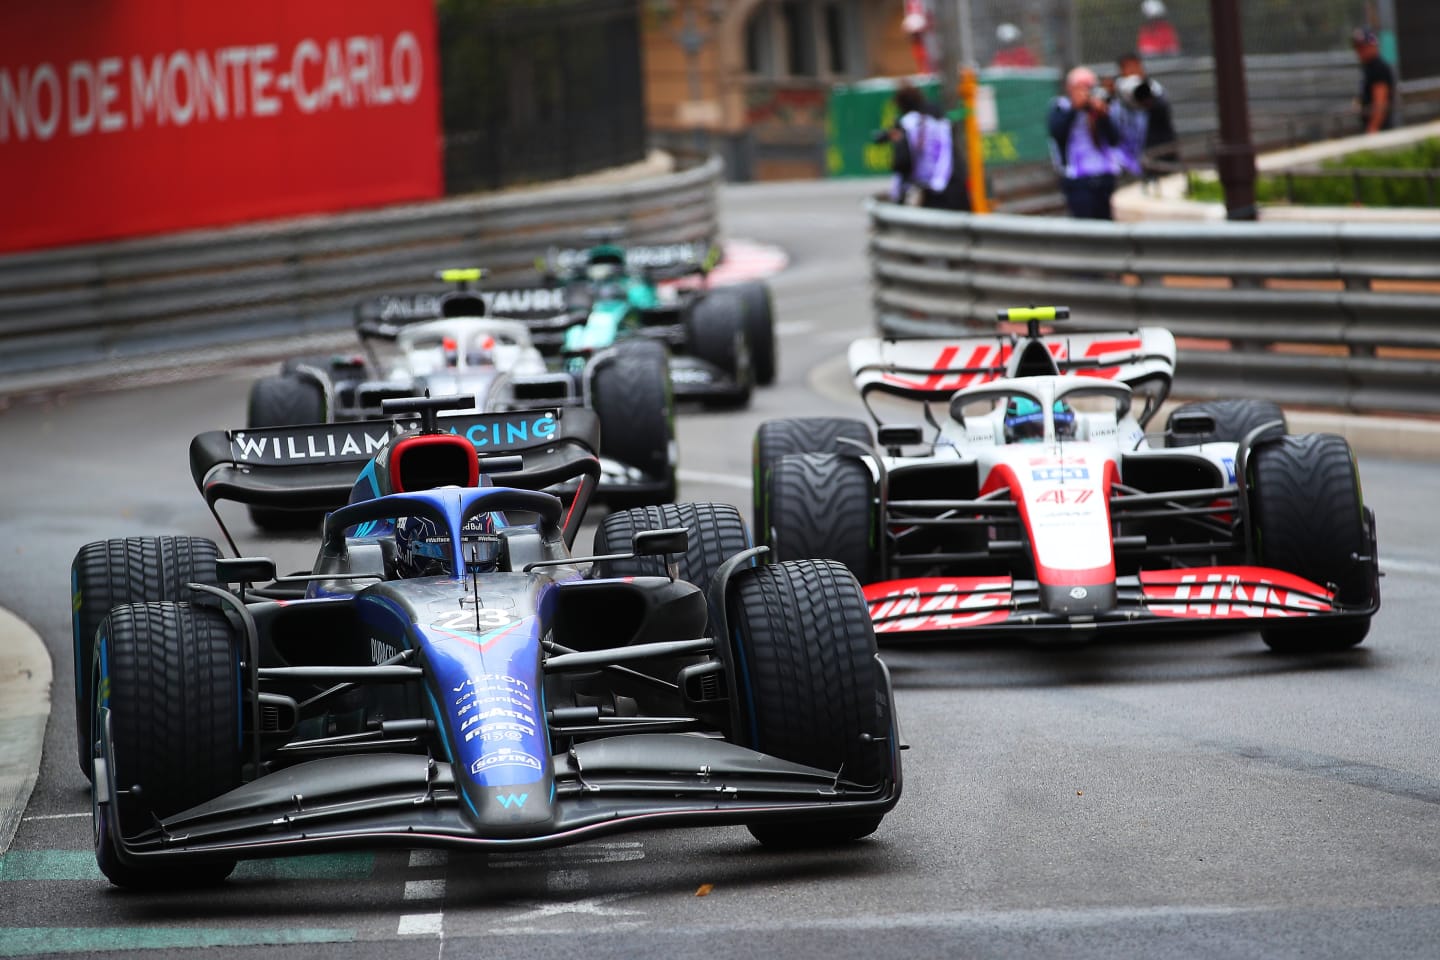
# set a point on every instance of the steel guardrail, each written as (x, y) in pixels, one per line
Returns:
(107, 302)
(1334, 315)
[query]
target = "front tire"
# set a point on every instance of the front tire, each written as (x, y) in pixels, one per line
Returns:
(1309, 519)
(108, 573)
(717, 533)
(822, 506)
(778, 438)
(169, 675)
(811, 686)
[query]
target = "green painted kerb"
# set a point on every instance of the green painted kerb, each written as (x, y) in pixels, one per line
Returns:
(54, 865)
(31, 941)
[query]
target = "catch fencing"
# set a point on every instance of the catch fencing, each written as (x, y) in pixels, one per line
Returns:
(1333, 315)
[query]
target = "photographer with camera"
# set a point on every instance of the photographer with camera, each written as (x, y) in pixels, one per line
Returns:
(924, 154)
(1084, 146)
(1141, 112)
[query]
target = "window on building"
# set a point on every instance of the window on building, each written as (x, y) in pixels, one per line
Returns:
(760, 42)
(804, 38)
(836, 39)
(798, 19)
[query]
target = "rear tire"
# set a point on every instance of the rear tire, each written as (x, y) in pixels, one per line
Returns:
(779, 438)
(717, 533)
(108, 573)
(172, 674)
(1234, 419)
(810, 685)
(285, 401)
(822, 507)
(630, 393)
(716, 332)
(1309, 519)
(759, 327)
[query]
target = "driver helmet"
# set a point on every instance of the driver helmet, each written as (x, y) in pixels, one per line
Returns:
(1025, 421)
(422, 546)
(604, 262)
(481, 352)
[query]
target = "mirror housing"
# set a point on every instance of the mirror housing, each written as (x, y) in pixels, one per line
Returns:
(654, 543)
(245, 569)
(900, 435)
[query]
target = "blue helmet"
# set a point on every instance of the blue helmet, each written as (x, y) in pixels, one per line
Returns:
(422, 546)
(1025, 421)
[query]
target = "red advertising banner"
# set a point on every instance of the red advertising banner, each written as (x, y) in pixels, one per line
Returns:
(127, 117)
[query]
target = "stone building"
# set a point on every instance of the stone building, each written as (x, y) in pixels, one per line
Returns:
(750, 78)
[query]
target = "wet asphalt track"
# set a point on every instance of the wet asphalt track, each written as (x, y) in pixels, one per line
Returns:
(1195, 797)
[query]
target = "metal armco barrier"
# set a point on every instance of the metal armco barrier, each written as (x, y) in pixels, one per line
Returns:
(1335, 315)
(111, 302)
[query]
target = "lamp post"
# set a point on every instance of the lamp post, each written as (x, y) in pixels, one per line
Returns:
(1235, 153)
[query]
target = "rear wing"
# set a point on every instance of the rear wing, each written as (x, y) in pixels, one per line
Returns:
(315, 466)
(666, 259)
(384, 316)
(931, 370)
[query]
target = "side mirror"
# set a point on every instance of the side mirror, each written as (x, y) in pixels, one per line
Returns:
(900, 435)
(507, 463)
(245, 569)
(655, 543)
(1191, 424)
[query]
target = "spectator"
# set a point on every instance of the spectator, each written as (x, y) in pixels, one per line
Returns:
(925, 155)
(1157, 36)
(1377, 84)
(1084, 146)
(1144, 119)
(1010, 50)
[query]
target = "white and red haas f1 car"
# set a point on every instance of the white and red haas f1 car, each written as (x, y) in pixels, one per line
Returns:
(1037, 502)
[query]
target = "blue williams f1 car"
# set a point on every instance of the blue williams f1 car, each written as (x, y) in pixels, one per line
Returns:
(448, 674)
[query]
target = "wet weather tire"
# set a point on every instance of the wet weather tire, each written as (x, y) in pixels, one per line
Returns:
(1234, 419)
(810, 685)
(631, 395)
(779, 438)
(172, 675)
(717, 533)
(107, 573)
(716, 332)
(285, 401)
(822, 507)
(759, 327)
(1309, 520)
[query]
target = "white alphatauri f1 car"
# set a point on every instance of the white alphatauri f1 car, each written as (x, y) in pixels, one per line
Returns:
(462, 348)
(1035, 501)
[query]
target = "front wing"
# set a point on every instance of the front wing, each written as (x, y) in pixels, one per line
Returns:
(633, 782)
(1204, 598)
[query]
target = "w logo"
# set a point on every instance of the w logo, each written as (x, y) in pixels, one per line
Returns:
(511, 800)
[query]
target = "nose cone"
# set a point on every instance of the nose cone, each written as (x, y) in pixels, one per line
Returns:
(1077, 600)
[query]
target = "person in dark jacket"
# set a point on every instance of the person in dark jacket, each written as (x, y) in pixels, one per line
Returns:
(1377, 84)
(1084, 146)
